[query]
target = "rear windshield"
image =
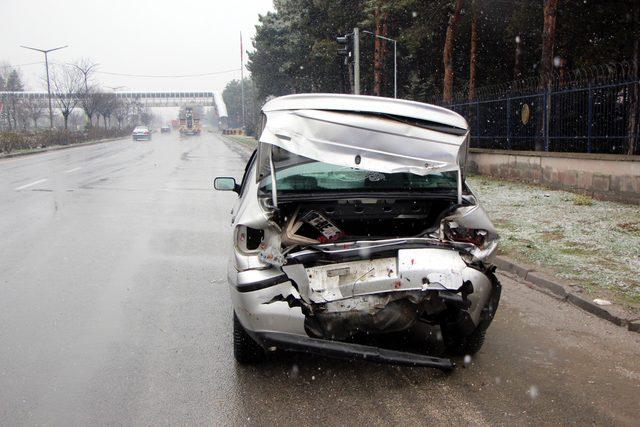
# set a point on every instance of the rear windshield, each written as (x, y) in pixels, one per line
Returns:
(299, 174)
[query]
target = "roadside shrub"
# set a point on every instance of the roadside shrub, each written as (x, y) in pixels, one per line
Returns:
(15, 141)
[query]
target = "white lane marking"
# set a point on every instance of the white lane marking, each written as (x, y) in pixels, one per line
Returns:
(22, 187)
(73, 170)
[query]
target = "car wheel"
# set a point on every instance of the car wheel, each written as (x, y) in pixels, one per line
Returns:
(469, 345)
(245, 349)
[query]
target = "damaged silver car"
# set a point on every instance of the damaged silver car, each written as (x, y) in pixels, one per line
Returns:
(353, 222)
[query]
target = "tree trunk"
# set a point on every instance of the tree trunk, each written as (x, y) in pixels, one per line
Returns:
(66, 120)
(14, 113)
(379, 51)
(546, 67)
(447, 55)
(633, 119)
(473, 51)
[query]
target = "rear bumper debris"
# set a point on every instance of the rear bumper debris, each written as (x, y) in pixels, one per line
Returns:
(350, 351)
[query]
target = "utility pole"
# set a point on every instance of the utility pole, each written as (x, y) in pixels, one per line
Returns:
(46, 64)
(242, 81)
(356, 63)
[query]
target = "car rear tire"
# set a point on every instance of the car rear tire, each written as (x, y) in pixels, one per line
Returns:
(469, 345)
(245, 349)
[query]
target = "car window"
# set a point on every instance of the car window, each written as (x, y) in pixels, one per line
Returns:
(297, 174)
(247, 170)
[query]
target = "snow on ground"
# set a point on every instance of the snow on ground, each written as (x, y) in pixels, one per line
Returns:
(594, 244)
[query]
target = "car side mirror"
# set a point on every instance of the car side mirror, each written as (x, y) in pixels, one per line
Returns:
(225, 183)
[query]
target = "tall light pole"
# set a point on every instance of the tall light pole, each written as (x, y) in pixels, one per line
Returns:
(395, 60)
(46, 64)
(242, 80)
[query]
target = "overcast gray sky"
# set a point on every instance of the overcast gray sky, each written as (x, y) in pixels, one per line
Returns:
(147, 37)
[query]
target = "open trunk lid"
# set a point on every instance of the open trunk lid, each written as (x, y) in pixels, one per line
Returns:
(370, 133)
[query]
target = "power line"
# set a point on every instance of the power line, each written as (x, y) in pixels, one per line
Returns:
(170, 76)
(21, 65)
(174, 76)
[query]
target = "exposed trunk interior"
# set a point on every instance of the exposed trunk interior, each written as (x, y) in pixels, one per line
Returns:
(350, 219)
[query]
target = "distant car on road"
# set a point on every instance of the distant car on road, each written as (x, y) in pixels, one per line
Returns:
(165, 129)
(141, 133)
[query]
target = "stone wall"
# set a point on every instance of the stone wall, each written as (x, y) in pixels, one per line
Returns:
(603, 176)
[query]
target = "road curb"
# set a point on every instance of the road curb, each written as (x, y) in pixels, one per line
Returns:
(537, 281)
(57, 147)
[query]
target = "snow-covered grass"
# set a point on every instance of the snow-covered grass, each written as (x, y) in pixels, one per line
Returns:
(248, 141)
(592, 243)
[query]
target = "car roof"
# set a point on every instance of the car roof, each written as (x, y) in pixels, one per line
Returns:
(368, 104)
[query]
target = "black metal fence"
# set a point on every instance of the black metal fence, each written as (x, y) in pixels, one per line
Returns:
(581, 111)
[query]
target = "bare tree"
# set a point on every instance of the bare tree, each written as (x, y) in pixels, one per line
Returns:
(20, 114)
(34, 110)
(447, 55)
(88, 99)
(146, 116)
(136, 109)
(67, 87)
(12, 82)
(87, 68)
(121, 111)
(106, 105)
(76, 119)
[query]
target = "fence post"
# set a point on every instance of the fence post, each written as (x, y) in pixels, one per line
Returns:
(477, 123)
(545, 117)
(508, 123)
(589, 118)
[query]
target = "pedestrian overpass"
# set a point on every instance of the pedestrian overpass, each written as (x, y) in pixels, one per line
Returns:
(147, 99)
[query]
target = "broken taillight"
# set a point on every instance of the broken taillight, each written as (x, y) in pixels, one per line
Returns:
(248, 239)
(457, 233)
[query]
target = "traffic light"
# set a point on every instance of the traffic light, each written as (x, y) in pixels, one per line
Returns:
(345, 45)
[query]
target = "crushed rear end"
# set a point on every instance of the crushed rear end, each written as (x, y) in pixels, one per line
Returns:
(357, 223)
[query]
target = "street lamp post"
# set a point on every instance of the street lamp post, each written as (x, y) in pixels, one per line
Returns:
(46, 64)
(395, 60)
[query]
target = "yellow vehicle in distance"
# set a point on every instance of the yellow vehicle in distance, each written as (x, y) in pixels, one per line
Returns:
(189, 122)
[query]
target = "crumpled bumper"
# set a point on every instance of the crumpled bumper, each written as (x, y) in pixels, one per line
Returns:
(340, 300)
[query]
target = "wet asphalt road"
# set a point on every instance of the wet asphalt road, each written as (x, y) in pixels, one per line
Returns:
(114, 310)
